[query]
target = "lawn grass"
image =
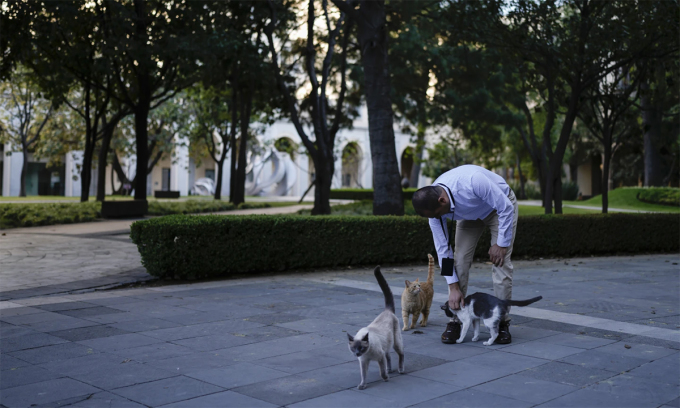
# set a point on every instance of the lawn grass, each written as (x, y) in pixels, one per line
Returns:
(536, 210)
(625, 198)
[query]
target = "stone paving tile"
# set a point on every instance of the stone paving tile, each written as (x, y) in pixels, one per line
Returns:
(577, 340)
(238, 375)
(315, 325)
(167, 390)
(273, 318)
(88, 312)
(81, 366)
(144, 325)
(19, 311)
(472, 399)
(122, 375)
(643, 351)
(508, 362)
(675, 403)
(400, 390)
(153, 352)
(200, 330)
(347, 398)
(53, 353)
(25, 375)
(663, 370)
(449, 352)
(29, 341)
(346, 375)
(193, 362)
(54, 307)
(299, 362)
(45, 392)
(604, 361)
(88, 333)
(568, 374)
(593, 398)
(214, 342)
(265, 333)
(26, 319)
(8, 362)
(98, 400)
(288, 390)
(461, 374)
(539, 349)
(119, 342)
(339, 351)
(198, 317)
(648, 390)
(272, 348)
(57, 324)
(226, 399)
(525, 388)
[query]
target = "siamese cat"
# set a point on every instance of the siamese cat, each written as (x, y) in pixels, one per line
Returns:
(374, 341)
(482, 306)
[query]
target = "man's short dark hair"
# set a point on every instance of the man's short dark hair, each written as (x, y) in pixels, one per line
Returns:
(426, 199)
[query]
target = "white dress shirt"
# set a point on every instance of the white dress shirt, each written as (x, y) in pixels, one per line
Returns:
(476, 193)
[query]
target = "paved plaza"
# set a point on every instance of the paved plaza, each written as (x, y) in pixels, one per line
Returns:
(606, 334)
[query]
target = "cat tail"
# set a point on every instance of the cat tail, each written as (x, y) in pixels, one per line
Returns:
(524, 302)
(430, 269)
(389, 298)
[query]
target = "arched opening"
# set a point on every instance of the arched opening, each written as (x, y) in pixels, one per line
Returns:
(406, 165)
(351, 159)
(286, 145)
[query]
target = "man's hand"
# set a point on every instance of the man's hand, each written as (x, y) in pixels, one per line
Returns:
(497, 254)
(456, 299)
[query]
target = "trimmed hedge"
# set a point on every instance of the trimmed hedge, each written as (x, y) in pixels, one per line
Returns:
(663, 196)
(31, 215)
(197, 206)
(193, 247)
(364, 193)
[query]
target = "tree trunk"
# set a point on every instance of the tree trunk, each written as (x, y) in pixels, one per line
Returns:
(387, 196)
(24, 171)
(322, 186)
(651, 122)
(606, 162)
(246, 105)
(86, 169)
(218, 185)
(107, 136)
(234, 149)
(522, 192)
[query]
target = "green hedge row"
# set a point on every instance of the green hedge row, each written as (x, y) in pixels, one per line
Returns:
(210, 246)
(663, 196)
(31, 215)
(364, 193)
(197, 206)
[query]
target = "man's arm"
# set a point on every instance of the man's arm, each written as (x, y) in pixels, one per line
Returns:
(441, 244)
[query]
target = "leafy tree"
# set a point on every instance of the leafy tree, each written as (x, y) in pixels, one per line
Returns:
(24, 116)
(316, 109)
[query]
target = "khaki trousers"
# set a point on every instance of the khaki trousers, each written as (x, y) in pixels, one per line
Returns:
(467, 236)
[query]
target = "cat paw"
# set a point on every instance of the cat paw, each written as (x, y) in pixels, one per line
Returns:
(402, 371)
(459, 341)
(475, 338)
(361, 387)
(405, 329)
(487, 343)
(386, 378)
(423, 324)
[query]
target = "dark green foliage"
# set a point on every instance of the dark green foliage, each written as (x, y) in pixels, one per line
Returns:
(363, 207)
(31, 215)
(210, 246)
(663, 196)
(569, 191)
(197, 206)
(364, 193)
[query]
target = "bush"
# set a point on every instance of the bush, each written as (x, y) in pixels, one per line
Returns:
(30, 215)
(363, 207)
(364, 193)
(210, 246)
(569, 191)
(197, 206)
(660, 195)
(533, 191)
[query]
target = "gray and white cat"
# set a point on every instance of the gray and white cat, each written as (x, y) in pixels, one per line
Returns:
(485, 307)
(375, 341)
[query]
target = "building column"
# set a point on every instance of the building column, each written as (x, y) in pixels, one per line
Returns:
(6, 170)
(13, 180)
(72, 175)
(179, 172)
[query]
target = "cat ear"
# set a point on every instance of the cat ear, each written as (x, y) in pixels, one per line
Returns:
(365, 337)
(349, 336)
(408, 283)
(417, 279)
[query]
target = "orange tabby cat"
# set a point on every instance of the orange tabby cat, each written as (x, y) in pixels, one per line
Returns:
(417, 298)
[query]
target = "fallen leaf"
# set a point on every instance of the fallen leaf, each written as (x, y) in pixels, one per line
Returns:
(626, 346)
(417, 332)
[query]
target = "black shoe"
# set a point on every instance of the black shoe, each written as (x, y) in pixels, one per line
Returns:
(452, 333)
(504, 336)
